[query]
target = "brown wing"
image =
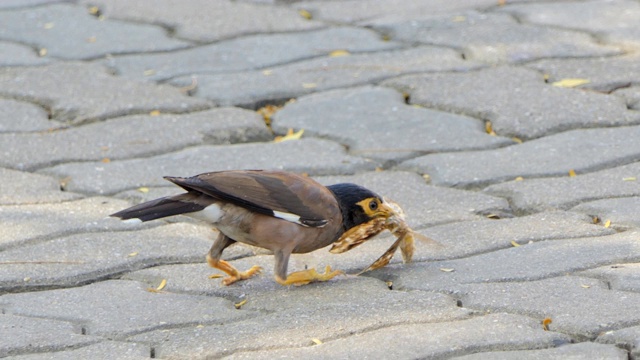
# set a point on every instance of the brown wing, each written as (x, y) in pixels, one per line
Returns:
(275, 193)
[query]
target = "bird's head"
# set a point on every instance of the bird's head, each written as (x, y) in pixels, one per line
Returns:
(359, 205)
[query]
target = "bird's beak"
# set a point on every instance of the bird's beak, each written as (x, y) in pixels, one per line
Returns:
(386, 210)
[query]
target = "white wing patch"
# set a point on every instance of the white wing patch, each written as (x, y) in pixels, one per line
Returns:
(289, 217)
(210, 214)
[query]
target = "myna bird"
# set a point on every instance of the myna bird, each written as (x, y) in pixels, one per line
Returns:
(276, 210)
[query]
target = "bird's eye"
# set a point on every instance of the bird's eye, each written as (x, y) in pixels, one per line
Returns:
(373, 205)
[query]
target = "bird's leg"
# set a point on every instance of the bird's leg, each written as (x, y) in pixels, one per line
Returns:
(299, 277)
(213, 258)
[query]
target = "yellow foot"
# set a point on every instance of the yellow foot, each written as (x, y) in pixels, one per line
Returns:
(304, 277)
(242, 275)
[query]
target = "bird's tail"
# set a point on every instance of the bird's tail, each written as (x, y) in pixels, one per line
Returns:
(163, 207)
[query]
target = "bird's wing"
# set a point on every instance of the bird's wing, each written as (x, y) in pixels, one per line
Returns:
(280, 194)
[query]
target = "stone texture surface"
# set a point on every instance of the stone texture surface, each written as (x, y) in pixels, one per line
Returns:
(359, 118)
(622, 212)
(103, 350)
(495, 38)
(131, 136)
(247, 53)
(581, 150)
(288, 81)
(16, 54)
(624, 277)
(22, 116)
(22, 188)
(627, 338)
(75, 92)
(70, 32)
(585, 350)
(517, 101)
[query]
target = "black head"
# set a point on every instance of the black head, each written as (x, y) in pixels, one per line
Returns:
(358, 204)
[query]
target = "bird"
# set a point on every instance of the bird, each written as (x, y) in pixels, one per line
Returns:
(280, 211)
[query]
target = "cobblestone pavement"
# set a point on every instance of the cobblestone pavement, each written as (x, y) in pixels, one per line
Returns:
(509, 131)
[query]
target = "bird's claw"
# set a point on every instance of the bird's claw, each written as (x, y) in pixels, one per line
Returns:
(242, 275)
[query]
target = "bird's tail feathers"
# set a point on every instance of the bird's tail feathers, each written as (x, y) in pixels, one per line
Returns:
(163, 207)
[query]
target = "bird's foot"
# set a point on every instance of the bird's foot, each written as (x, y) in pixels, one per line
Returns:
(304, 277)
(242, 275)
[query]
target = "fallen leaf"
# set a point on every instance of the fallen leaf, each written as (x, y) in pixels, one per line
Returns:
(545, 323)
(106, 160)
(519, 178)
(390, 285)
(48, 25)
(154, 113)
(572, 173)
(305, 14)
(596, 220)
(570, 82)
(447, 270)
(516, 139)
(267, 113)
(316, 341)
(426, 177)
(95, 11)
(502, 2)
(143, 189)
(42, 52)
(135, 253)
(514, 243)
(459, 18)
(163, 283)
(215, 276)
(585, 286)
(289, 136)
(27, 279)
(607, 223)
(493, 216)
(379, 169)
(92, 39)
(631, 178)
(488, 127)
(239, 304)
(309, 85)
(386, 37)
(149, 72)
(267, 72)
(338, 53)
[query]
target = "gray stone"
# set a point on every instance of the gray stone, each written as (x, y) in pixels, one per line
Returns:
(317, 311)
(20, 335)
(628, 338)
(423, 204)
(631, 95)
(131, 136)
(23, 116)
(534, 261)
(533, 195)
(21, 188)
(69, 32)
(314, 156)
(585, 350)
(604, 74)
(105, 350)
(581, 150)
(376, 123)
(612, 21)
(246, 53)
(77, 92)
(625, 277)
(292, 80)
(117, 308)
(432, 341)
(622, 212)
(517, 101)
(9, 4)
(23, 224)
(82, 258)
(192, 20)
(370, 11)
(17, 54)
(580, 306)
(495, 38)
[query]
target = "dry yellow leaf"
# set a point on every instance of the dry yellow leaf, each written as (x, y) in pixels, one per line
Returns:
(570, 82)
(215, 276)
(488, 127)
(516, 139)
(493, 216)
(631, 178)
(143, 189)
(48, 25)
(514, 243)
(267, 72)
(519, 178)
(338, 53)
(585, 286)
(149, 72)
(316, 341)
(426, 177)
(309, 85)
(163, 283)
(545, 323)
(135, 253)
(459, 18)
(92, 39)
(94, 10)
(572, 173)
(607, 223)
(379, 169)
(390, 285)
(267, 113)
(289, 136)
(42, 52)
(447, 270)
(239, 304)
(27, 279)
(305, 14)
(106, 160)
(154, 112)
(386, 37)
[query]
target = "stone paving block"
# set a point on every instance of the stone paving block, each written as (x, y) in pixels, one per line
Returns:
(631, 95)
(426, 341)
(130, 137)
(495, 38)
(81, 258)
(20, 335)
(585, 350)
(605, 74)
(292, 80)
(9, 4)
(532, 195)
(534, 261)
(22, 224)
(313, 156)
(317, 311)
(118, 308)
(368, 11)
(192, 19)
(23, 116)
(75, 92)
(423, 204)
(622, 212)
(17, 54)
(582, 150)
(246, 53)
(517, 101)
(611, 21)
(579, 306)
(105, 350)
(68, 31)
(625, 277)
(21, 188)
(376, 123)
(628, 338)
